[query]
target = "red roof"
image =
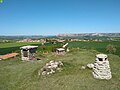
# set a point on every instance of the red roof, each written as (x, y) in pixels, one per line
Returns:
(8, 55)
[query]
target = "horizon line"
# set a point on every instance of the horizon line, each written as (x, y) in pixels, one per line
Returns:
(61, 34)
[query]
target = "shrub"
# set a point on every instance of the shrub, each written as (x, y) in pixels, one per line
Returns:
(111, 48)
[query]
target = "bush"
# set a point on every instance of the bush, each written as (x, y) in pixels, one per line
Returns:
(111, 48)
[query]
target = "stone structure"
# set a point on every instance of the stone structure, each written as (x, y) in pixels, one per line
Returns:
(101, 68)
(51, 67)
(60, 51)
(28, 52)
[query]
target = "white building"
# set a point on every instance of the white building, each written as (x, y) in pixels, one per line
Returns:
(60, 51)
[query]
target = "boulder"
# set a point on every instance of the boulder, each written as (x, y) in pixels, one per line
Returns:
(90, 65)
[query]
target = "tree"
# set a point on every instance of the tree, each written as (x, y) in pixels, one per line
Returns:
(111, 48)
(1, 1)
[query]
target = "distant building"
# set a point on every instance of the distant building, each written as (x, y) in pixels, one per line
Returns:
(30, 40)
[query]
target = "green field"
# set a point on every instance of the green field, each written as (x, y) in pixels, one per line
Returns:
(18, 75)
(99, 46)
(15, 47)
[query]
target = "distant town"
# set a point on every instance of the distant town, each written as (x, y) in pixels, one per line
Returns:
(63, 37)
(92, 34)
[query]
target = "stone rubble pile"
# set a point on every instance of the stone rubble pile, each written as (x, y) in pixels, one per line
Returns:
(51, 67)
(101, 67)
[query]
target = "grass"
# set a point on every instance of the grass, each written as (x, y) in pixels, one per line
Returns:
(18, 75)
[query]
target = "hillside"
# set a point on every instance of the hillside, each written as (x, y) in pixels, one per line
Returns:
(18, 75)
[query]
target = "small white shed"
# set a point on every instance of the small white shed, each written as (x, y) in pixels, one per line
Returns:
(60, 51)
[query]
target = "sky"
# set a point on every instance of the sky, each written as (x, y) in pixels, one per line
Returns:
(51, 17)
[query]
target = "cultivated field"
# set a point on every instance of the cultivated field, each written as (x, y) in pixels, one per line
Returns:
(99, 46)
(13, 47)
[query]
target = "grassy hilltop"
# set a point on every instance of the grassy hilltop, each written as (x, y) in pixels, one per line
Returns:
(18, 75)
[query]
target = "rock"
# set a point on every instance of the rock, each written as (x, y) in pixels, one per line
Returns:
(44, 73)
(83, 67)
(51, 67)
(90, 65)
(67, 50)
